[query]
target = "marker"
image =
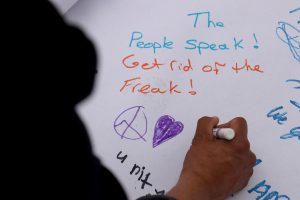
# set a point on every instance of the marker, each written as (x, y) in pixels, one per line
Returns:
(224, 133)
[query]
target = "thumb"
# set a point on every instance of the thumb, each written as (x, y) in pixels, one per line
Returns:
(205, 127)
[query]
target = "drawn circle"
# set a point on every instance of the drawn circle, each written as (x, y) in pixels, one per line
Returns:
(126, 126)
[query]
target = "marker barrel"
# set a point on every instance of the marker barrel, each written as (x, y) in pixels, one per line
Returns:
(224, 133)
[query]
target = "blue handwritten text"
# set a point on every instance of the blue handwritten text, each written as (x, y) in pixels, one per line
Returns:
(263, 192)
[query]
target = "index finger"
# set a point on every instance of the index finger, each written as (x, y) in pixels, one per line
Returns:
(205, 126)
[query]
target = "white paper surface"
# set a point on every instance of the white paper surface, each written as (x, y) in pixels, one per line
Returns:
(237, 32)
(63, 5)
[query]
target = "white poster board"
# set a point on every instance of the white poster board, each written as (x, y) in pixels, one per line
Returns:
(188, 59)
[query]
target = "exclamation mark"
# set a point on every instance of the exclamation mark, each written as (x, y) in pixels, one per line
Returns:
(256, 42)
(192, 92)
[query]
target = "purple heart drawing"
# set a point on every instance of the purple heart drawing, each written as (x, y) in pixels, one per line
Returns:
(165, 129)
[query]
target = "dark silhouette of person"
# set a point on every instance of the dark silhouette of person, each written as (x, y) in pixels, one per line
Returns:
(49, 67)
(53, 66)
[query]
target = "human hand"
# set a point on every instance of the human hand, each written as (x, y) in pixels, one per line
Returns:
(214, 168)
